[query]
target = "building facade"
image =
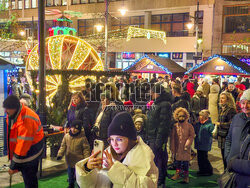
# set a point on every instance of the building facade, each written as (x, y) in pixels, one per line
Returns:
(223, 26)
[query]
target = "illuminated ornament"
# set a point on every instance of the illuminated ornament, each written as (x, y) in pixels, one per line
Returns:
(222, 58)
(64, 52)
(134, 32)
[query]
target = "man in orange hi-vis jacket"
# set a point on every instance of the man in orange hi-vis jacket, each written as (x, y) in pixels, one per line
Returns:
(25, 140)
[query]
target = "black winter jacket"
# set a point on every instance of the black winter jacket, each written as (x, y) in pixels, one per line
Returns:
(159, 121)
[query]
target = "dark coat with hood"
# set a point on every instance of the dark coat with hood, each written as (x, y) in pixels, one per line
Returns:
(159, 121)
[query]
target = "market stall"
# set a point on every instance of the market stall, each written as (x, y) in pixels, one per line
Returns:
(226, 67)
(147, 65)
(5, 65)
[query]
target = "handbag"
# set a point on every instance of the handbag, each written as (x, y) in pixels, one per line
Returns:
(226, 180)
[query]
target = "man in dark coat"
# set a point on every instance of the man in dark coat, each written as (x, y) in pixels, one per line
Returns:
(158, 128)
(239, 122)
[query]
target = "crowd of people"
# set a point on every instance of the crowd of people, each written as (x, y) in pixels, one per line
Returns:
(145, 123)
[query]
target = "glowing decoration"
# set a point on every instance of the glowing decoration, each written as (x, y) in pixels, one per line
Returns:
(149, 61)
(134, 32)
(62, 30)
(123, 11)
(222, 58)
(64, 52)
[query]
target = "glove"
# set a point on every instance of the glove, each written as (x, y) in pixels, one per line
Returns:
(59, 158)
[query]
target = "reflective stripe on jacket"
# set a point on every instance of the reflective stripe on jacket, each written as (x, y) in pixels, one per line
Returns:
(25, 136)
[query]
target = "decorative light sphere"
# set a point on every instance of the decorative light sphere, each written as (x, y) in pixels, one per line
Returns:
(64, 52)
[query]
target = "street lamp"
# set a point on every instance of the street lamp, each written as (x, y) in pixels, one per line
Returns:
(198, 41)
(99, 27)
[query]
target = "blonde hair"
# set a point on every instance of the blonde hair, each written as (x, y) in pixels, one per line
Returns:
(178, 110)
(230, 99)
(204, 113)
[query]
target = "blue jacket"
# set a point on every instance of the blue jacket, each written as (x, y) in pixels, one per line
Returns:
(203, 140)
(233, 139)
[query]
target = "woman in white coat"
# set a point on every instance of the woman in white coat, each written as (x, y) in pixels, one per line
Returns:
(213, 98)
(127, 163)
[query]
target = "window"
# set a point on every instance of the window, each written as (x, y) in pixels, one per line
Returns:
(236, 19)
(27, 4)
(235, 49)
(92, 1)
(84, 1)
(33, 3)
(20, 4)
(190, 56)
(172, 24)
(64, 2)
(57, 2)
(13, 4)
(124, 22)
(85, 27)
(49, 3)
(74, 2)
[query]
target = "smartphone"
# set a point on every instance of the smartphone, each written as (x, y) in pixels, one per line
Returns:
(99, 146)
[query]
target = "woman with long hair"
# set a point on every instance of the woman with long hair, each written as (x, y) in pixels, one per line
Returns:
(227, 110)
(78, 109)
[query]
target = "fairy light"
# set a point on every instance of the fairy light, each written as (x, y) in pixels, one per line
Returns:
(77, 61)
(134, 32)
(151, 60)
(222, 58)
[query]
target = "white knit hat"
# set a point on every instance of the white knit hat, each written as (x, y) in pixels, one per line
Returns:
(246, 95)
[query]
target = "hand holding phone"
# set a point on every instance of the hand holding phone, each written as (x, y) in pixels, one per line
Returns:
(98, 146)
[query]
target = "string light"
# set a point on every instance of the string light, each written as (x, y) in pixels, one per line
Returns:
(64, 52)
(222, 58)
(151, 60)
(134, 32)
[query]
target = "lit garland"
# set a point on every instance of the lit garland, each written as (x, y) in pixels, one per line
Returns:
(64, 19)
(63, 55)
(222, 58)
(152, 60)
(62, 30)
(139, 32)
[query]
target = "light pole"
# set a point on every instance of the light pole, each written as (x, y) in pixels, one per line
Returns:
(106, 34)
(196, 20)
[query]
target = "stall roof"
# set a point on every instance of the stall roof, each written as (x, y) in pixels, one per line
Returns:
(163, 65)
(221, 64)
(5, 64)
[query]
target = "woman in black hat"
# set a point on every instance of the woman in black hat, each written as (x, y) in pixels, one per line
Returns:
(128, 161)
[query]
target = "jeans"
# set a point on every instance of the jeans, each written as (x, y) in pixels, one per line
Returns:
(223, 159)
(203, 162)
(71, 175)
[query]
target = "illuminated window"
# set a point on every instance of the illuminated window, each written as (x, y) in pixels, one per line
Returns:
(20, 4)
(27, 4)
(33, 3)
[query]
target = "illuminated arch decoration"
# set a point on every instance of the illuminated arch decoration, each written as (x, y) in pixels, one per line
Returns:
(64, 52)
(134, 32)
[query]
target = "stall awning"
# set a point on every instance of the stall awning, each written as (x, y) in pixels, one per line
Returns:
(155, 64)
(5, 64)
(221, 65)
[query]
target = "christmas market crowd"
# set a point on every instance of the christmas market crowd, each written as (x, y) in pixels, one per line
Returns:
(147, 127)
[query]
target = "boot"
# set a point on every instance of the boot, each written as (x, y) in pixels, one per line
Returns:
(177, 175)
(186, 177)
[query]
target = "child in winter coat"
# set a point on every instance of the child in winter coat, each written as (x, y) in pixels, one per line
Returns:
(139, 120)
(75, 146)
(203, 143)
(181, 140)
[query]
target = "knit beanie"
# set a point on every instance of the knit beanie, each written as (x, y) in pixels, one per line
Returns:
(11, 102)
(139, 119)
(122, 125)
(77, 124)
(246, 95)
